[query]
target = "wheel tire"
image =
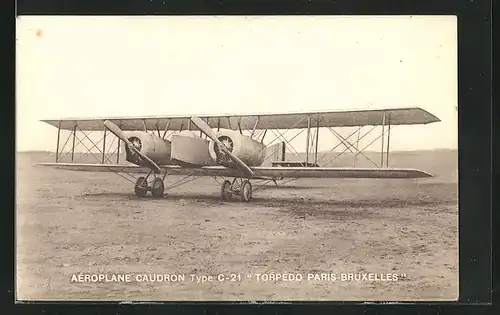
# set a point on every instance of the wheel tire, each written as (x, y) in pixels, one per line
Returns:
(225, 191)
(158, 188)
(246, 191)
(141, 187)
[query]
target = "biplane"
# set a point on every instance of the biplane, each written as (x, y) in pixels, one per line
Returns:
(230, 147)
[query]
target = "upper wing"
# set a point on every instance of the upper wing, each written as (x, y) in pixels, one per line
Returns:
(397, 116)
(260, 171)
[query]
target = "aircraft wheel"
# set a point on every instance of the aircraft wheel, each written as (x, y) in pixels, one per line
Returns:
(141, 187)
(225, 191)
(158, 188)
(246, 191)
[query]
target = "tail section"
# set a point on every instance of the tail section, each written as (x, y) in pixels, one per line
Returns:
(275, 152)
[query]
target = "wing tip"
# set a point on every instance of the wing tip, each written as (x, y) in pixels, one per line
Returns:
(434, 118)
(51, 122)
(425, 174)
(431, 118)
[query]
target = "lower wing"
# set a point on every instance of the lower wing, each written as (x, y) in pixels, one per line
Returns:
(260, 171)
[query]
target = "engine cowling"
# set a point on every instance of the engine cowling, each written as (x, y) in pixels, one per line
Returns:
(250, 151)
(154, 147)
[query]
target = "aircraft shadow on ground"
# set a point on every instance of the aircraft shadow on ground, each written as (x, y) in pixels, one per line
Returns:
(296, 202)
(294, 187)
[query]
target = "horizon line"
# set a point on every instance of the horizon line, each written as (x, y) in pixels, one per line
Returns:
(319, 152)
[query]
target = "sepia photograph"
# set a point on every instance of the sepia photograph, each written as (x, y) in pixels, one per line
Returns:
(236, 158)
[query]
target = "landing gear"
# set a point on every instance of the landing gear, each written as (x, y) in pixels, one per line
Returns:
(141, 187)
(225, 191)
(157, 187)
(243, 188)
(246, 191)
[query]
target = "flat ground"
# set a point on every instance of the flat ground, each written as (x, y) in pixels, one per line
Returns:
(91, 223)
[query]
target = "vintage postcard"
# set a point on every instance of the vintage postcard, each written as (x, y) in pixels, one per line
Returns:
(236, 158)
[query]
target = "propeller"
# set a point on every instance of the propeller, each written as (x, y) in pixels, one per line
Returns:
(119, 133)
(205, 128)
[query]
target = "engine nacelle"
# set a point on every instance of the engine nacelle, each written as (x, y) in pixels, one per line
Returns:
(250, 151)
(154, 147)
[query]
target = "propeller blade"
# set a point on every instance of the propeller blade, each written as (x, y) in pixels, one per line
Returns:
(114, 129)
(119, 133)
(205, 128)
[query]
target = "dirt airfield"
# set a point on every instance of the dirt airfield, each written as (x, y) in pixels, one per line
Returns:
(77, 223)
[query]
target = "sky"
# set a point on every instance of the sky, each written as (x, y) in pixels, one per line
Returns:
(98, 66)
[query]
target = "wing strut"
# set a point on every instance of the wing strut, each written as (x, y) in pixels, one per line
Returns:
(388, 141)
(316, 142)
(58, 138)
(104, 147)
(382, 145)
(308, 138)
(73, 146)
(166, 129)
